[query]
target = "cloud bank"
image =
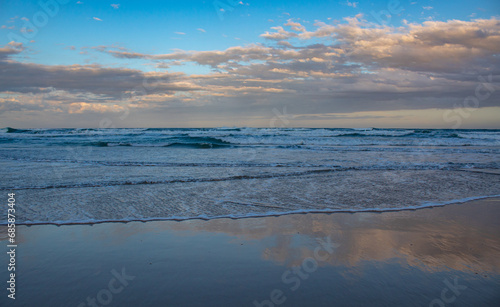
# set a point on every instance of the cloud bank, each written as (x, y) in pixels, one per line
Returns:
(329, 68)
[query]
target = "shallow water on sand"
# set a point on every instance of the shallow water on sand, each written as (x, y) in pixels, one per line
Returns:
(406, 258)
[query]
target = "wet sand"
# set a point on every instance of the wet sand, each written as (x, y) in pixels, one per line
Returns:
(442, 256)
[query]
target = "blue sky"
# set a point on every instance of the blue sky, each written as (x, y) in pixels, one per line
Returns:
(152, 26)
(169, 38)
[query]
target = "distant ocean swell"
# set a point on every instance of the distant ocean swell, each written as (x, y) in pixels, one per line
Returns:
(227, 137)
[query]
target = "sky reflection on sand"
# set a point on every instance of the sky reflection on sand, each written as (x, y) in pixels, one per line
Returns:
(394, 257)
(456, 237)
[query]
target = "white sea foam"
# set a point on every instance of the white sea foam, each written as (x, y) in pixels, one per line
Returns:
(258, 215)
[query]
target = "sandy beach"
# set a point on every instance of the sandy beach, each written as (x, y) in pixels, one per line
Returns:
(442, 256)
(250, 153)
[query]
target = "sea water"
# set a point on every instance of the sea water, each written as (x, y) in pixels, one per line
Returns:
(64, 176)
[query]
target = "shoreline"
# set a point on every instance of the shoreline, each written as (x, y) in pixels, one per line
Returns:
(403, 258)
(426, 205)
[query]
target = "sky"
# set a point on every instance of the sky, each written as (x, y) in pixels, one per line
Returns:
(225, 63)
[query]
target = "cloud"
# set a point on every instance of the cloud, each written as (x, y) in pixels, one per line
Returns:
(115, 6)
(106, 83)
(201, 30)
(352, 4)
(84, 107)
(432, 47)
(98, 19)
(180, 33)
(427, 8)
(340, 67)
(10, 49)
(12, 19)
(295, 26)
(278, 35)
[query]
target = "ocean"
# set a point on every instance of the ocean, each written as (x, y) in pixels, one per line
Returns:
(66, 176)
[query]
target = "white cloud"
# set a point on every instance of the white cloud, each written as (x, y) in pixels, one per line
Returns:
(296, 26)
(352, 4)
(98, 19)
